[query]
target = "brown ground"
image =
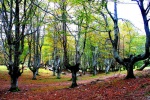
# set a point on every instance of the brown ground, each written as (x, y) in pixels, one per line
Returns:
(108, 87)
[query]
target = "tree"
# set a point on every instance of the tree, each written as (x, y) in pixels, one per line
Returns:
(16, 16)
(82, 27)
(35, 43)
(132, 59)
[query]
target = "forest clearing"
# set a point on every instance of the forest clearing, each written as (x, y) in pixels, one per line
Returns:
(110, 86)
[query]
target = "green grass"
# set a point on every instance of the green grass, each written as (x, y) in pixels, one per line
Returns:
(101, 75)
(3, 68)
(46, 75)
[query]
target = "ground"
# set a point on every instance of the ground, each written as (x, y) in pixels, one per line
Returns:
(101, 87)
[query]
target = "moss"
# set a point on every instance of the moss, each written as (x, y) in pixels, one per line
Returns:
(14, 89)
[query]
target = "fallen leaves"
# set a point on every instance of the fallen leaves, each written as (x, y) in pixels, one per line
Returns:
(109, 88)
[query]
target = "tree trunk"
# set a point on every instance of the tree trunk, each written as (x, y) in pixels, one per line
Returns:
(58, 75)
(74, 78)
(53, 71)
(83, 71)
(37, 72)
(14, 84)
(95, 70)
(34, 75)
(107, 69)
(130, 73)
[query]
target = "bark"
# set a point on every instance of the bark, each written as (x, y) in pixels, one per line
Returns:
(37, 72)
(108, 63)
(74, 69)
(58, 75)
(130, 73)
(58, 72)
(74, 78)
(14, 84)
(34, 75)
(107, 69)
(14, 73)
(95, 70)
(53, 70)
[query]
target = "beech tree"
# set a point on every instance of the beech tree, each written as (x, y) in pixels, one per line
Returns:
(132, 59)
(74, 68)
(16, 16)
(35, 43)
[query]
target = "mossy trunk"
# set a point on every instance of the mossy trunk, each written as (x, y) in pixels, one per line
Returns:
(53, 71)
(14, 84)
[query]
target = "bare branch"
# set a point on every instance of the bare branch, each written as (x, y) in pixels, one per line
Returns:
(112, 42)
(148, 8)
(109, 12)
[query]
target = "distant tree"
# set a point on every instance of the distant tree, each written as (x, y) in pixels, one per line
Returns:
(35, 43)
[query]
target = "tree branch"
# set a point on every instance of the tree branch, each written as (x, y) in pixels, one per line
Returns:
(148, 8)
(109, 12)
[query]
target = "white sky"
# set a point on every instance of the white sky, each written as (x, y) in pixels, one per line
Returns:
(130, 11)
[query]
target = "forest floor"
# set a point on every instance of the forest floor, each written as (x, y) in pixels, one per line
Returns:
(100, 87)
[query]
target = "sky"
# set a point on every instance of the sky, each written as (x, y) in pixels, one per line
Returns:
(129, 10)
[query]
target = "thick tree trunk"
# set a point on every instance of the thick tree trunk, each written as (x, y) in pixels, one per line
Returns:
(14, 84)
(34, 75)
(74, 78)
(130, 73)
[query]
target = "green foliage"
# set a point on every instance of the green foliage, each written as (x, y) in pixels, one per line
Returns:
(130, 41)
(14, 89)
(139, 64)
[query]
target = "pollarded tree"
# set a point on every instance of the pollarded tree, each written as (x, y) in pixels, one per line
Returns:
(81, 22)
(132, 59)
(16, 15)
(35, 43)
